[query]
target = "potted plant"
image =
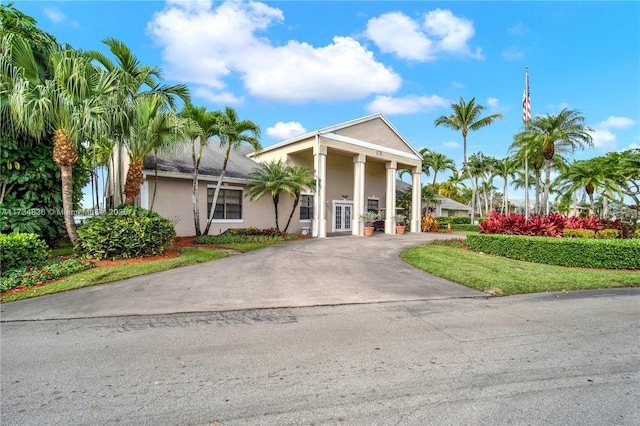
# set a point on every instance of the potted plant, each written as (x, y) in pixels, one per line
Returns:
(368, 218)
(399, 218)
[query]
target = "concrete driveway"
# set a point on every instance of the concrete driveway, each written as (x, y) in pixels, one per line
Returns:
(312, 272)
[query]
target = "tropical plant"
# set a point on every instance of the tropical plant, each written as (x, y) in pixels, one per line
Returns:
(465, 118)
(152, 128)
(270, 178)
(202, 129)
(505, 168)
(436, 162)
(299, 178)
(369, 217)
(232, 133)
(560, 134)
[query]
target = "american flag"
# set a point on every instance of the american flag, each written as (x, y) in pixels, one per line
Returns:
(526, 100)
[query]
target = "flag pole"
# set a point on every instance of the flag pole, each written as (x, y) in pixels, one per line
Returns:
(526, 117)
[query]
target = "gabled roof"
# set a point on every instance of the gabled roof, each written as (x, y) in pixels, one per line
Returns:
(239, 165)
(449, 204)
(330, 130)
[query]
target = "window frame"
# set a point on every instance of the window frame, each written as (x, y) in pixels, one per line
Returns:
(226, 188)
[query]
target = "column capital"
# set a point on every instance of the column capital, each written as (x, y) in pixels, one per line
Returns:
(359, 158)
(320, 149)
(391, 165)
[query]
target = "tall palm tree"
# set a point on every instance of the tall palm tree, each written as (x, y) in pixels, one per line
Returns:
(232, 133)
(71, 103)
(153, 128)
(299, 178)
(203, 128)
(465, 118)
(560, 134)
(134, 80)
(527, 146)
(505, 168)
(270, 178)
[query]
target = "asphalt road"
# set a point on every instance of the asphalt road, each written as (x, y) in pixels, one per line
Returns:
(555, 358)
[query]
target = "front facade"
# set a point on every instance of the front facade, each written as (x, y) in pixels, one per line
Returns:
(355, 165)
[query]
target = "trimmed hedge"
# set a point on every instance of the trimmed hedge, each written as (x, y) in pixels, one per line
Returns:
(20, 250)
(579, 233)
(470, 228)
(124, 233)
(443, 221)
(238, 238)
(578, 252)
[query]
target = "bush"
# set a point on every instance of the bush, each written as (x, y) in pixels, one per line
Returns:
(580, 252)
(429, 224)
(579, 233)
(20, 250)
(124, 233)
(468, 228)
(233, 238)
(608, 234)
(443, 221)
(636, 234)
(31, 276)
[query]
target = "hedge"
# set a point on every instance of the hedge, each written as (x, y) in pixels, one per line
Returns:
(578, 252)
(443, 221)
(470, 228)
(19, 250)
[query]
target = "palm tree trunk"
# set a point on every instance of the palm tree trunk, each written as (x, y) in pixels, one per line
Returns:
(66, 174)
(296, 200)
(505, 198)
(276, 199)
(217, 191)
(155, 179)
(547, 185)
(132, 184)
(605, 206)
(473, 188)
(194, 194)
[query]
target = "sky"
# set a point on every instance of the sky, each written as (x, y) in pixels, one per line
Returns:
(297, 66)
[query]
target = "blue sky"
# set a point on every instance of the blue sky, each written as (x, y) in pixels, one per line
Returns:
(296, 66)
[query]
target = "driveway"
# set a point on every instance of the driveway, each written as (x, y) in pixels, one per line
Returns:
(312, 272)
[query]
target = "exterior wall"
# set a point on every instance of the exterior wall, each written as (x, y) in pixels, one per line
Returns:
(375, 131)
(173, 201)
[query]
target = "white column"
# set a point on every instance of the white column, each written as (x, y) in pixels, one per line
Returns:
(389, 223)
(320, 196)
(358, 193)
(416, 200)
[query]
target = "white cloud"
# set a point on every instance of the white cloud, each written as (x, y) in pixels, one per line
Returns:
(451, 144)
(616, 123)
(519, 29)
(558, 107)
(207, 45)
(54, 14)
(406, 105)
(220, 97)
(283, 131)
(457, 85)
(631, 146)
(397, 33)
(513, 53)
(603, 137)
(493, 102)
(439, 32)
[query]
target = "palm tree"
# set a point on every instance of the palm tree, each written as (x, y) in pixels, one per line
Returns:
(527, 147)
(271, 178)
(134, 80)
(505, 168)
(465, 118)
(560, 133)
(71, 104)
(202, 129)
(232, 133)
(153, 128)
(436, 162)
(299, 178)
(590, 175)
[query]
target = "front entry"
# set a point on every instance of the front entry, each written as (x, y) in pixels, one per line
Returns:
(342, 216)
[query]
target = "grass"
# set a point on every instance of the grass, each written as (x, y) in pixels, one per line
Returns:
(506, 276)
(247, 247)
(94, 276)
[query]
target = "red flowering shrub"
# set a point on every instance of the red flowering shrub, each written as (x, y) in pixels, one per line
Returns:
(551, 225)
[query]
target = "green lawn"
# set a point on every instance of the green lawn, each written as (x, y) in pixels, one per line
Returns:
(507, 276)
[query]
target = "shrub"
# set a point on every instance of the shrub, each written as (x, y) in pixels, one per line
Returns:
(20, 250)
(429, 224)
(234, 239)
(124, 233)
(32, 276)
(443, 221)
(580, 252)
(608, 234)
(469, 228)
(579, 233)
(636, 234)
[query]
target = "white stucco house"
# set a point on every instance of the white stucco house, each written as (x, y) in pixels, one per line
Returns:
(355, 165)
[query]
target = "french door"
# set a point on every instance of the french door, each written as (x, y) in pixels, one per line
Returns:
(342, 216)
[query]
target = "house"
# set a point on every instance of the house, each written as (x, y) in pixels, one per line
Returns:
(441, 206)
(355, 164)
